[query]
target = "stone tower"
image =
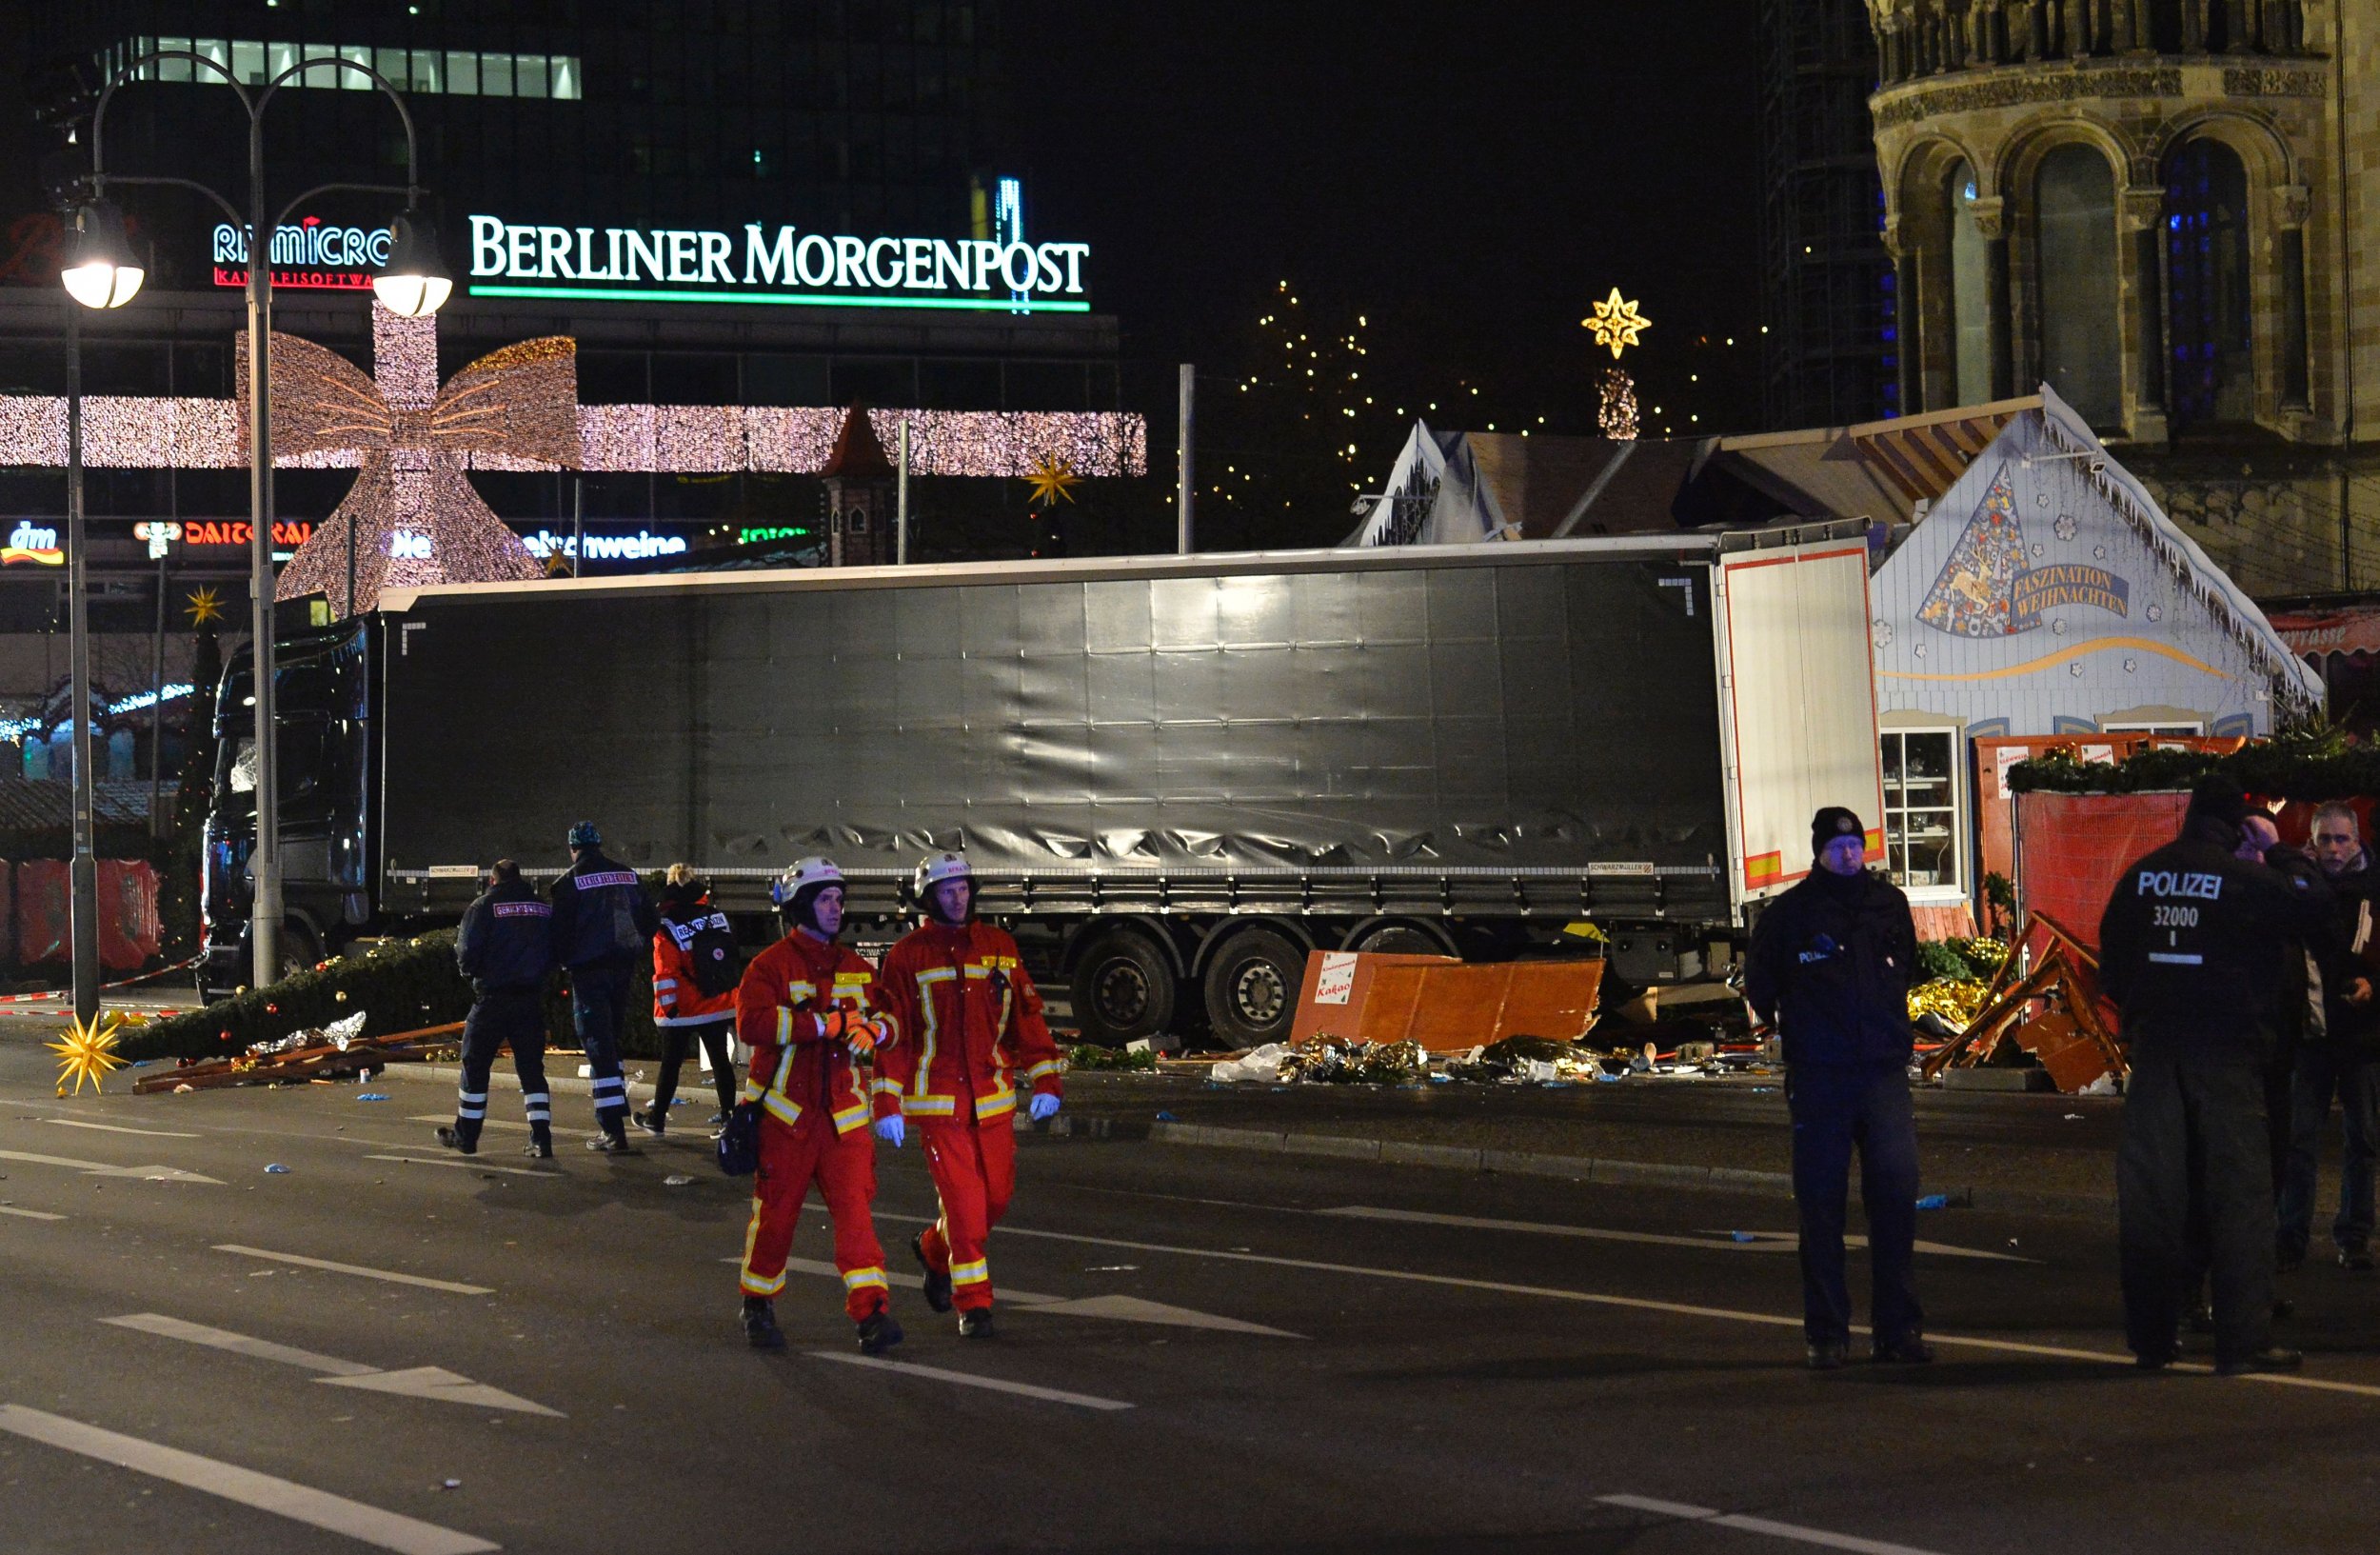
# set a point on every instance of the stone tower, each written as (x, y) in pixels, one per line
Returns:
(2158, 208)
(860, 489)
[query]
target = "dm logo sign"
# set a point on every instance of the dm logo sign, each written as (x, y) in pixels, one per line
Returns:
(1987, 588)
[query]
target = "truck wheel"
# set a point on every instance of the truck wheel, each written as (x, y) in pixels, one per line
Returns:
(1123, 989)
(1400, 940)
(297, 949)
(1252, 988)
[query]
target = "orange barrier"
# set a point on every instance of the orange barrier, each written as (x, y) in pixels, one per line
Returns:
(1446, 1006)
(2072, 847)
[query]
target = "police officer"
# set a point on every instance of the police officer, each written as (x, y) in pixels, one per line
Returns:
(603, 923)
(2193, 951)
(506, 948)
(1831, 964)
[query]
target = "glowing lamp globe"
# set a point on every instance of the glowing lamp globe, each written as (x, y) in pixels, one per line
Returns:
(100, 270)
(414, 283)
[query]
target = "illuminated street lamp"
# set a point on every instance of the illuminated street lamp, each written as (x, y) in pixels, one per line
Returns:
(101, 273)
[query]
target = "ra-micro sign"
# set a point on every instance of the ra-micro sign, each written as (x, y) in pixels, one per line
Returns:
(788, 266)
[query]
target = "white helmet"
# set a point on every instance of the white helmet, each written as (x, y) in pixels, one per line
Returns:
(801, 874)
(936, 868)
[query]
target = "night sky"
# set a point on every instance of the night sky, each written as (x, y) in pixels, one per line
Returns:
(1472, 176)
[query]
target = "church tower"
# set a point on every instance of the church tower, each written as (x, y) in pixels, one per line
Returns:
(2154, 208)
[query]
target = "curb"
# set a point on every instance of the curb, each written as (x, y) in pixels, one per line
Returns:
(1531, 1164)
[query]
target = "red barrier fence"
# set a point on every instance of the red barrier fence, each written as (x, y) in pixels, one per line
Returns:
(129, 933)
(2072, 847)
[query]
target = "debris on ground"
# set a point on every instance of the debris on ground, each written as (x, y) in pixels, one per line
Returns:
(1331, 1061)
(2045, 1000)
(1091, 1056)
(337, 1050)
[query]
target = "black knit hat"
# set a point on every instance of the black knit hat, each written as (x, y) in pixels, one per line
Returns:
(2220, 798)
(1832, 821)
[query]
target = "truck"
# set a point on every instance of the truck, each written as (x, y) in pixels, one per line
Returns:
(1173, 776)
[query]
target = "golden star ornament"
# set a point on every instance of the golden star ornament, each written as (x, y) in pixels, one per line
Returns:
(1617, 324)
(88, 1052)
(205, 605)
(1053, 480)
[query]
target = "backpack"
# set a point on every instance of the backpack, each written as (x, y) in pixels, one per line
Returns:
(740, 1142)
(710, 945)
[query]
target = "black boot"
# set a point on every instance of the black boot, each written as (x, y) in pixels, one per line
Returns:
(937, 1284)
(879, 1332)
(1829, 1355)
(541, 1145)
(975, 1322)
(1908, 1350)
(2270, 1358)
(452, 1139)
(760, 1324)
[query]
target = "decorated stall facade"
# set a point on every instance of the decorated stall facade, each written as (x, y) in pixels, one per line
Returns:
(2047, 594)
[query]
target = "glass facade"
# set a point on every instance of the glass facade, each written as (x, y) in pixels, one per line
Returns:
(2208, 279)
(2082, 353)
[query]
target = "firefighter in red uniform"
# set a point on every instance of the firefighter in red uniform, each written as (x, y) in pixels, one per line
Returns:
(969, 1026)
(804, 1007)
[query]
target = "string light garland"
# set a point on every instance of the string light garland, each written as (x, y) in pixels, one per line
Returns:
(1617, 415)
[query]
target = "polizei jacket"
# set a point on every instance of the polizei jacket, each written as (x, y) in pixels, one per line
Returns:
(1831, 965)
(2194, 948)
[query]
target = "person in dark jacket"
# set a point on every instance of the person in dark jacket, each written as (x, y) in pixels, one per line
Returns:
(2194, 953)
(603, 923)
(506, 948)
(1830, 965)
(2335, 1058)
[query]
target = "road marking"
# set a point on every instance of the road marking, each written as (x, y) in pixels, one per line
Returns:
(447, 1118)
(1120, 1308)
(1640, 1303)
(1762, 1524)
(908, 1369)
(434, 1383)
(389, 1275)
(1762, 1241)
(28, 1214)
(222, 1339)
(119, 1128)
(470, 1161)
(102, 1169)
(283, 1498)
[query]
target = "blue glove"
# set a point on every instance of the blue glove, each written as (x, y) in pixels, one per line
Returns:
(892, 1130)
(1044, 1108)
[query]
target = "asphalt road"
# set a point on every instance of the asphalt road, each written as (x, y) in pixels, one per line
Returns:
(382, 1348)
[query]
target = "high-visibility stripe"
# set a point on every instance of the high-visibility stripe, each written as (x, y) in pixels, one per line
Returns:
(665, 982)
(855, 1279)
(1044, 1069)
(784, 1026)
(712, 1019)
(996, 1105)
(850, 1118)
(752, 1087)
(882, 1086)
(471, 1095)
(470, 1112)
(537, 1098)
(977, 1272)
(933, 1021)
(928, 1106)
(782, 1107)
(754, 1286)
(785, 1071)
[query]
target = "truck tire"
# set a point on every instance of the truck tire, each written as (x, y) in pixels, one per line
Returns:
(1251, 985)
(1400, 940)
(1123, 989)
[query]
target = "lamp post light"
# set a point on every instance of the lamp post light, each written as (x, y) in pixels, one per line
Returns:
(102, 272)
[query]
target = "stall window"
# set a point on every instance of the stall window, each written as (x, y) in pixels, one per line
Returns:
(1921, 807)
(2172, 728)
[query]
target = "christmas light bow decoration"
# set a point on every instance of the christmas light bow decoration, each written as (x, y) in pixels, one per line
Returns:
(413, 515)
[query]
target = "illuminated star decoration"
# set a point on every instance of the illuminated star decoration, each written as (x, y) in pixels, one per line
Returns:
(88, 1052)
(1617, 324)
(1052, 481)
(205, 605)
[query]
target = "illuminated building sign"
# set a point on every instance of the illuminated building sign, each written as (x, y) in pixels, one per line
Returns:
(34, 544)
(782, 265)
(212, 531)
(759, 536)
(640, 546)
(314, 256)
(408, 545)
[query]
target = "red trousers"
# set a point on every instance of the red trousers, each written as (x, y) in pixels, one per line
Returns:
(844, 1166)
(974, 1171)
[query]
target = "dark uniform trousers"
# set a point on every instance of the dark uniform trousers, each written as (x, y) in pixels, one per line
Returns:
(502, 1016)
(2194, 1187)
(1837, 1108)
(599, 1013)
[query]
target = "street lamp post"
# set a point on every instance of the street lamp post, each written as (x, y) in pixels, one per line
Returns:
(412, 283)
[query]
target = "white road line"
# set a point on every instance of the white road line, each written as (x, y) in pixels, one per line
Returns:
(119, 1128)
(1762, 1524)
(906, 1369)
(390, 1275)
(471, 1161)
(1759, 1242)
(908, 1282)
(1640, 1303)
(559, 1132)
(28, 1214)
(283, 1498)
(1121, 1308)
(222, 1339)
(102, 1169)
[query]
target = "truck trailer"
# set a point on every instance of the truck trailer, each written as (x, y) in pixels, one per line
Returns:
(1173, 776)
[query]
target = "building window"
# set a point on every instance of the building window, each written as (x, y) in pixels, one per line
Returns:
(2081, 353)
(1921, 807)
(2207, 269)
(455, 74)
(2169, 728)
(1971, 293)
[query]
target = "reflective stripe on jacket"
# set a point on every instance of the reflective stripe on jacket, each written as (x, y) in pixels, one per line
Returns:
(784, 990)
(970, 1022)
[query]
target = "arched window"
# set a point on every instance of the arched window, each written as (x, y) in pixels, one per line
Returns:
(1970, 306)
(2074, 247)
(2207, 269)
